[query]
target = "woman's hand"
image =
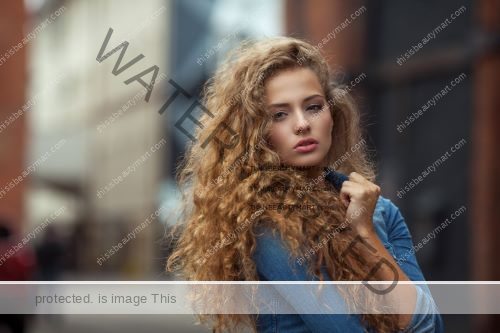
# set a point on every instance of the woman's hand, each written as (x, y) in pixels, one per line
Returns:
(360, 197)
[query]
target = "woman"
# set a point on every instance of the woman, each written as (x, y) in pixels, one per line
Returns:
(261, 198)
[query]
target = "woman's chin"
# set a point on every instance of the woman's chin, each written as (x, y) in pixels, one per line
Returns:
(306, 162)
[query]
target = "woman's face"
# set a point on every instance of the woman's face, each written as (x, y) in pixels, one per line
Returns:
(301, 131)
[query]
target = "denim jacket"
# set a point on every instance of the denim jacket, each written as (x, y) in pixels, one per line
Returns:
(273, 264)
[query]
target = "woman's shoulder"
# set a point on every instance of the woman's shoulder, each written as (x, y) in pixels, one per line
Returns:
(390, 224)
(389, 212)
(385, 205)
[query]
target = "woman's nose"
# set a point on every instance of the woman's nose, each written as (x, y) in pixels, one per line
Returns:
(301, 124)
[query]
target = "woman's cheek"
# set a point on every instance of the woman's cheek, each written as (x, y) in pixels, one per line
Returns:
(277, 139)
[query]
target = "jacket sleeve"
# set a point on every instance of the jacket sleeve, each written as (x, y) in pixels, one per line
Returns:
(426, 317)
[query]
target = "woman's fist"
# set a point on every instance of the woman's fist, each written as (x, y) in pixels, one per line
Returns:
(360, 197)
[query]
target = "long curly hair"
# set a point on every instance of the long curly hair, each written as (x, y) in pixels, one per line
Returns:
(219, 186)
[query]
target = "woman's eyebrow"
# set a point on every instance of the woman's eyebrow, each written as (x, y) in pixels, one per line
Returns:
(278, 105)
(307, 99)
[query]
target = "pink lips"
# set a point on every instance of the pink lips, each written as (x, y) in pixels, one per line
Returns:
(306, 145)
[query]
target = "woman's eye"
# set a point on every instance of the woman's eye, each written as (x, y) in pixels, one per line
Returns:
(314, 107)
(279, 115)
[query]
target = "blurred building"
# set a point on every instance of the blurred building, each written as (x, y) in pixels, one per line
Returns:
(96, 149)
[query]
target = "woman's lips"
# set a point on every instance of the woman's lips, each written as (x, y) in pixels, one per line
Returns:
(307, 148)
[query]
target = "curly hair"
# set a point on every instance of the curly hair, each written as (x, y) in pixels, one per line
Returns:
(218, 189)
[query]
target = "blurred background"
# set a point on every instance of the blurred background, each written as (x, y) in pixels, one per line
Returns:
(61, 149)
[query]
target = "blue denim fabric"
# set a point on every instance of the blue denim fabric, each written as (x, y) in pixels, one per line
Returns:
(273, 264)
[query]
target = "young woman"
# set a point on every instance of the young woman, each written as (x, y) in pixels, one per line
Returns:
(261, 195)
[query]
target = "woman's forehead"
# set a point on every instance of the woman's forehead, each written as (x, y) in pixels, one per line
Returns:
(292, 84)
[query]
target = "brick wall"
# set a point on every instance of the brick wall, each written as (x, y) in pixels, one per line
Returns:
(12, 97)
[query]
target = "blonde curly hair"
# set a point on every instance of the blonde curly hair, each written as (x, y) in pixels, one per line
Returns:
(237, 93)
